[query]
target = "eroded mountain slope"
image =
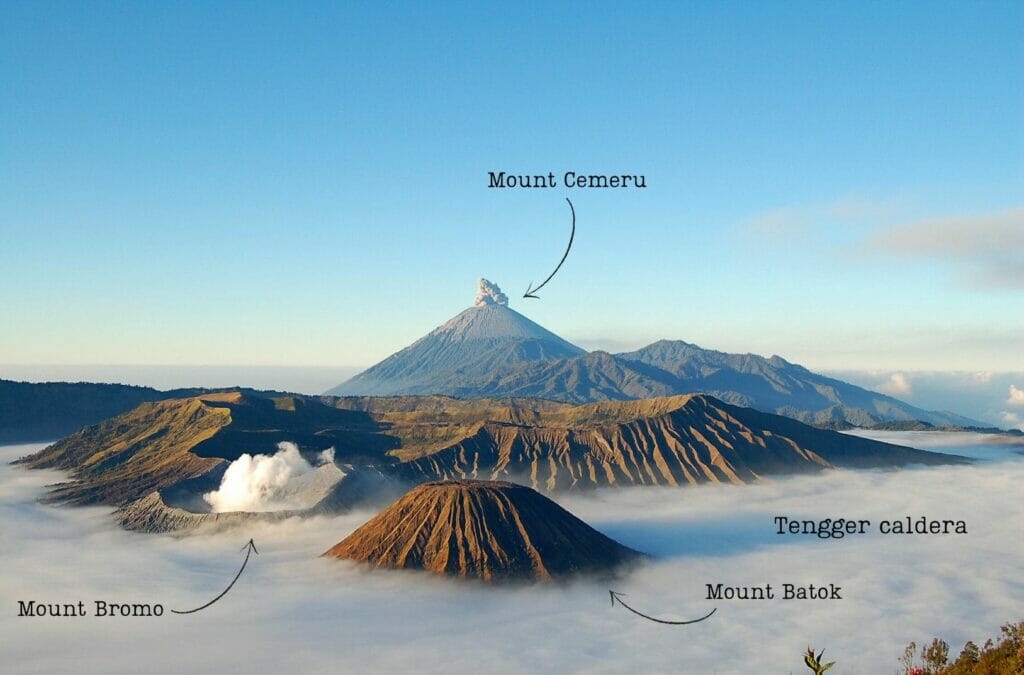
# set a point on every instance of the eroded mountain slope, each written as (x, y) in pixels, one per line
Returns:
(667, 441)
(482, 529)
(676, 440)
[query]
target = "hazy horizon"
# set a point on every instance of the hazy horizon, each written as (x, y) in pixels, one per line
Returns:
(983, 395)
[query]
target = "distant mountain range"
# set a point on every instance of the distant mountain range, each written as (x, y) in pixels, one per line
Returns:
(44, 411)
(490, 350)
(48, 410)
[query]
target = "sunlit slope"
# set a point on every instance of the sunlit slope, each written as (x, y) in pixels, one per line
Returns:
(678, 440)
(476, 342)
(47, 410)
(682, 440)
(481, 529)
(160, 445)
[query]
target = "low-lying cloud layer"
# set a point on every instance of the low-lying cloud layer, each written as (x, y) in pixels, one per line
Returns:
(260, 482)
(292, 610)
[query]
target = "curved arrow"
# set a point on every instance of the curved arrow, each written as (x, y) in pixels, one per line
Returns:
(530, 290)
(617, 596)
(249, 549)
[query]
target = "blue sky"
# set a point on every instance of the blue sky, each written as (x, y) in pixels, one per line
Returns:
(306, 184)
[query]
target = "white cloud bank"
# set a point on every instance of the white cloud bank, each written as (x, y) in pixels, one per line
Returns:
(1016, 396)
(1012, 419)
(260, 482)
(293, 611)
(898, 384)
(981, 395)
(987, 248)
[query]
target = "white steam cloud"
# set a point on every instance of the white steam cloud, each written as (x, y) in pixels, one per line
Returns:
(260, 482)
(488, 293)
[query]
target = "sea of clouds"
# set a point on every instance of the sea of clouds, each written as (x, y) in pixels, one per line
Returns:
(294, 611)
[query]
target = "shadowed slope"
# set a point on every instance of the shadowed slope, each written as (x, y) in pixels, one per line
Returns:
(776, 385)
(48, 410)
(483, 529)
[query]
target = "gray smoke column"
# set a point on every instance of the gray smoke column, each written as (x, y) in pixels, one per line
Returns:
(488, 293)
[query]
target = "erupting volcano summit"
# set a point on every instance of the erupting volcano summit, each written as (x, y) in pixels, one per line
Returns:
(485, 339)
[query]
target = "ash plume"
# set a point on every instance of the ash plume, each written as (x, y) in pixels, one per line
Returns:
(488, 293)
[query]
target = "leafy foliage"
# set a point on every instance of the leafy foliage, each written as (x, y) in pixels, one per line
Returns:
(814, 662)
(1004, 656)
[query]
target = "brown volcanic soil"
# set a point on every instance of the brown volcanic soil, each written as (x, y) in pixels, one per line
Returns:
(678, 440)
(549, 446)
(484, 529)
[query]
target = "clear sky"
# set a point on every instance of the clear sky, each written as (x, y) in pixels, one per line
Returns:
(306, 184)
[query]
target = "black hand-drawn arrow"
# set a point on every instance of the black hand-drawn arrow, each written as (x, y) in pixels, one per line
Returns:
(530, 290)
(618, 596)
(249, 549)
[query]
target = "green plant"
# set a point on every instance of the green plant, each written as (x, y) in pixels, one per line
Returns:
(1003, 656)
(935, 655)
(814, 662)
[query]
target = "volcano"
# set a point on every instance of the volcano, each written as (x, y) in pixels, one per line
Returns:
(489, 530)
(488, 337)
(491, 351)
